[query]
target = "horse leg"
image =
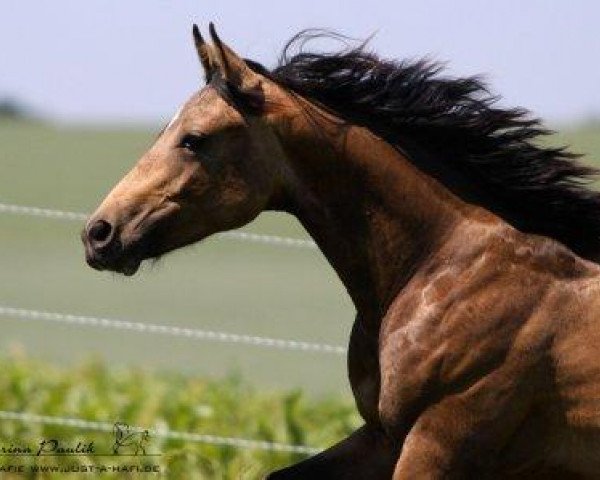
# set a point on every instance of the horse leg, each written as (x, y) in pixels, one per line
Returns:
(461, 436)
(367, 453)
(424, 456)
(428, 456)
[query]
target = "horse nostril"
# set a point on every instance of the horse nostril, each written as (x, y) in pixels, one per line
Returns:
(100, 231)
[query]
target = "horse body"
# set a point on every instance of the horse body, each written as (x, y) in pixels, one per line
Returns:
(507, 399)
(468, 365)
(473, 353)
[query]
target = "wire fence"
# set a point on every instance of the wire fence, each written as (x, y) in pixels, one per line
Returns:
(9, 208)
(236, 442)
(208, 335)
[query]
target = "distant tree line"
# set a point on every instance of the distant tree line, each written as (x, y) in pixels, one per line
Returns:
(13, 109)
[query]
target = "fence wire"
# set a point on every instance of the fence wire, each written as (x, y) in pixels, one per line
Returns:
(275, 240)
(225, 337)
(235, 442)
(209, 335)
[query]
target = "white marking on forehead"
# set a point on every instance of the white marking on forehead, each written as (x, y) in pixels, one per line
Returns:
(175, 118)
(177, 115)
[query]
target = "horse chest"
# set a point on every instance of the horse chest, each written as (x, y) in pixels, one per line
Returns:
(363, 371)
(382, 370)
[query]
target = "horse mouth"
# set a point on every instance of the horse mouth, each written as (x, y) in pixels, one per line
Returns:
(130, 267)
(126, 258)
(126, 265)
(125, 254)
(117, 258)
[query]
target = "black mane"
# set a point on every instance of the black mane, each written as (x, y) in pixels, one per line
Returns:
(486, 154)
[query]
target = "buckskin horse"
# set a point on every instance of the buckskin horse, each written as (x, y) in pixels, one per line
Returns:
(467, 247)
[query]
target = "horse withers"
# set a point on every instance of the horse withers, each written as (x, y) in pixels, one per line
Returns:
(467, 248)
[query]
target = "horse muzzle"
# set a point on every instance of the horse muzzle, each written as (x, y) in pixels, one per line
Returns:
(104, 250)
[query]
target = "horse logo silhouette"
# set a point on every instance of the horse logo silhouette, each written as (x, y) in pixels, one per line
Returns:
(129, 439)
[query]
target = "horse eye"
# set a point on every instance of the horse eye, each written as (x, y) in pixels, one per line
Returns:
(193, 143)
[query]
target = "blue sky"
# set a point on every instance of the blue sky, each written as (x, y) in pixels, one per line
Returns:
(133, 60)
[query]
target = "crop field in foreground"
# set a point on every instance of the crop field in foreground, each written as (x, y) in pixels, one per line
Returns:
(228, 407)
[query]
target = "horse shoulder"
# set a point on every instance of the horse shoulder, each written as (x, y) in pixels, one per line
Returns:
(486, 323)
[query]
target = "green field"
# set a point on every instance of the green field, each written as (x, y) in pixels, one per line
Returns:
(223, 285)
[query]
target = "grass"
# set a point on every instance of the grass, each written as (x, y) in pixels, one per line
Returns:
(219, 285)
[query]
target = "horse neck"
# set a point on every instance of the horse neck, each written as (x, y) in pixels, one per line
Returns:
(375, 216)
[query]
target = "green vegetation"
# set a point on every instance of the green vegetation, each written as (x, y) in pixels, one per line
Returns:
(219, 285)
(228, 407)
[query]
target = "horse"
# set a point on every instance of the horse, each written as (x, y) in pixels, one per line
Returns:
(468, 248)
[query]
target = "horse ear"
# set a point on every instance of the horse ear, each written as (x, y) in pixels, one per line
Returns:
(234, 69)
(204, 54)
